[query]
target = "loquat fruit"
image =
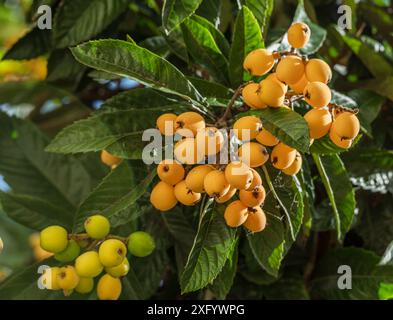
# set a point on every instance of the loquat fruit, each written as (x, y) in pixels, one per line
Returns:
(247, 128)
(253, 154)
(186, 151)
(186, 196)
(238, 175)
(88, 265)
(339, 141)
(112, 252)
(209, 141)
(253, 198)
(170, 171)
(109, 160)
(166, 123)
(282, 156)
(290, 69)
(67, 278)
(215, 184)
(189, 122)
(54, 239)
(119, 271)
(140, 244)
(256, 180)
(227, 196)
(272, 92)
(298, 35)
(235, 214)
(85, 285)
(49, 278)
(109, 288)
(256, 220)
(251, 97)
(295, 167)
(267, 139)
(299, 86)
(258, 62)
(317, 94)
(70, 253)
(97, 226)
(346, 126)
(195, 178)
(162, 196)
(318, 70)
(319, 122)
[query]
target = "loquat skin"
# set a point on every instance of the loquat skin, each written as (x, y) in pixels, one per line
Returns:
(272, 92)
(189, 121)
(140, 244)
(119, 271)
(162, 197)
(170, 171)
(282, 156)
(247, 128)
(97, 226)
(256, 180)
(290, 69)
(273, 76)
(253, 154)
(88, 265)
(112, 252)
(346, 126)
(253, 198)
(295, 167)
(49, 278)
(70, 253)
(238, 175)
(317, 94)
(235, 214)
(195, 178)
(318, 70)
(251, 97)
(186, 151)
(267, 139)
(109, 288)
(256, 220)
(209, 141)
(109, 159)
(259, 62)
(339, 141)
(215, 184)
(186, 196)
(299, 86)
(85, 285)
(67, 278)
(319, 122)
(298, 35)
(226, 197)
(166, 124)
(54, 239)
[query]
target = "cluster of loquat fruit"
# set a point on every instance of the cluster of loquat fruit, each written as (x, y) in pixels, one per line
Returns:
(306, 79)
(101, 252)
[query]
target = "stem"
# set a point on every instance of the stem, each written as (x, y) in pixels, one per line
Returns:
(342, 108)
(329, 191)
(271, 187)
(79, 237)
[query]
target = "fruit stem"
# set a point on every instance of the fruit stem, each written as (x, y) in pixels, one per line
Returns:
(342, 108)
(329, 191)
(78, 237)
(271, 187)
(227, 112)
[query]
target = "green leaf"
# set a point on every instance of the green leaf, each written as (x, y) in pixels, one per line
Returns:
(372, 60)
(132, 288)
(247, 37)
(224, 281)
(286, 125)
(175, 12)
(212, 245)
(272, 244)
(382, 86)
(262, 11)
(385, 291)
(325, 146)
(33, 212)
(29, 170)
(366, 275)
(104, 130)
(176, 43)
(32, 45)
(318, 34)
(129, 60)
(204, 50)
(117, 195)
(339, 190)
(78, 20)
(157, 45)
(211, 90)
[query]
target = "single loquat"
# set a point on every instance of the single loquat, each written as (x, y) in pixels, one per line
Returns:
(339, 141)
(290, 69)
(119, 271)
(256, 219)
(235, 214)
(49, 278)
(247, 128)
(319, 122)
(299, 86)
(166, 123)
(109, 288)
(162, 197)
(251, 97)
(209, 141)
(267, 139)
(170, 171)
(140, 244)
(189, 123)
(195, 178)
(238, 175)
(346, 126)
(54, 239)
(298, 35)
(97, 226)
(318, 70)
(109, 160)
(259, 62)
(317, 94)
(186, 151)
(85, 285)
(186, 196)
(282, 156)
(253, 154)
(70, 253)
(88, 265)
(272, 92)
(256, 180)
(112, 252)
(226, 197)
(67, 278)
(215, 184)
(295, 167)
(253, 198)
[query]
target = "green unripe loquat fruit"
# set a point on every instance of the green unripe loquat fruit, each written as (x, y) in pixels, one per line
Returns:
(141, 244)
(70, 253)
